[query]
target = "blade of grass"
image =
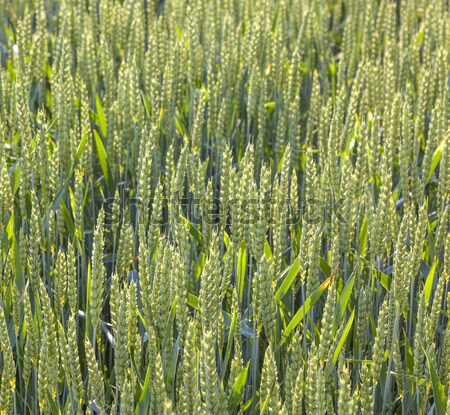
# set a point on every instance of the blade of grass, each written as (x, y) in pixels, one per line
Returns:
(241, 271)
(237, 393)
(287, 277)
(438, 388)
(304, 309)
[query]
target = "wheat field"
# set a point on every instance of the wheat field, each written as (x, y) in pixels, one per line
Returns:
(224, 207)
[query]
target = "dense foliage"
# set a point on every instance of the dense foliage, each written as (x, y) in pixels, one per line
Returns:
(224, 207)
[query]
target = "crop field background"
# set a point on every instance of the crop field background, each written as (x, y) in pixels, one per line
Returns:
(224, 207)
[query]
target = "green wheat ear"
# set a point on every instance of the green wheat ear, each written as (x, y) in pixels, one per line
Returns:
(98, 272)
(8, 371)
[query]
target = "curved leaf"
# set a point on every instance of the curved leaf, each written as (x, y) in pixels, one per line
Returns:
(304, 309)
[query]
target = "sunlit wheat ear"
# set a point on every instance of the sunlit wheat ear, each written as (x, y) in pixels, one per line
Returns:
(444, 174)
(212, 388)
(326, 329)
(75, 381)
(121, 354)
(72, 279)
(158, 392)
(379, 343)
(31, 350)
(5, 192)
(60, 281)
(125, 251)
(8, 370)
(45, 379)
(265, 310)
(210, 295)
(126, 401)
(365, 396)
(294, 369)
(134, 340)
(162, 290)
(187, 380)
(78, 205)
(34, 241)
(269, 388)
(96, 391)
(98, 272)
